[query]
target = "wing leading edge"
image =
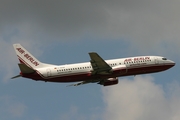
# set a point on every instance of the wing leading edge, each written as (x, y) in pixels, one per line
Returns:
(98, 64)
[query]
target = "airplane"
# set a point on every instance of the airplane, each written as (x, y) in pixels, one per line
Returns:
(98, 70)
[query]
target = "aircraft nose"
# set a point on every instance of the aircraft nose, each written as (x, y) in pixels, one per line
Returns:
(172, 63)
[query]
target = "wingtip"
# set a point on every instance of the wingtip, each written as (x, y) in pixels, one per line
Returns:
(92, 52)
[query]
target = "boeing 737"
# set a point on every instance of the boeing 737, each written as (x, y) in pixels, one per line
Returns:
(98, 70)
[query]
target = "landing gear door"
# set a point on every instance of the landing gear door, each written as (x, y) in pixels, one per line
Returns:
(48, 72)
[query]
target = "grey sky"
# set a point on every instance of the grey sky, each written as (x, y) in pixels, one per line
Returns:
(143, 24)
(117, 18)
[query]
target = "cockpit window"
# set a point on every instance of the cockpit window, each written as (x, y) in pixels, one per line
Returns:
(164, 58)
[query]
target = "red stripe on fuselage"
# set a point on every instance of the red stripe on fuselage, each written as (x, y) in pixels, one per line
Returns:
(86, 76)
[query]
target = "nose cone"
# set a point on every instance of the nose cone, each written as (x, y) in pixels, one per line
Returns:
(171, 63)
(166, 63)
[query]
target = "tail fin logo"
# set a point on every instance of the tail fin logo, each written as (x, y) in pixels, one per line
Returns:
(27, 56)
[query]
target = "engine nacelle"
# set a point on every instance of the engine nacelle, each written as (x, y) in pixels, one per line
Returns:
(109, 81)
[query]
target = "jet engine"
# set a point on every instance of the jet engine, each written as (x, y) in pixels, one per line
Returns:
(109, 81)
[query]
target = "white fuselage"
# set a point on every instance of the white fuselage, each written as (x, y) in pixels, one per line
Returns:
(83, 71)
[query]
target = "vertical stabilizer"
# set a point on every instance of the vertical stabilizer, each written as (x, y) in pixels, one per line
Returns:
(27, 58)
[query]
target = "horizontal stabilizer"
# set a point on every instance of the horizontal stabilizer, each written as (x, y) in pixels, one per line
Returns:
(16, 76)
(25, 69)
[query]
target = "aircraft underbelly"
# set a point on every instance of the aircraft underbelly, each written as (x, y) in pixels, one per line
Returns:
(88, 76)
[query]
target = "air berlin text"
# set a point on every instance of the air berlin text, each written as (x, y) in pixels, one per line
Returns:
(27, 56)
(137, 59)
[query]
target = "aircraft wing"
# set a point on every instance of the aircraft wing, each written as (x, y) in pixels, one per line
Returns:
(85, 82)
(77, 84)
(99, 67)
(98, 64)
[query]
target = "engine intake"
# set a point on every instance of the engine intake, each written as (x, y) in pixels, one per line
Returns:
(109, 81)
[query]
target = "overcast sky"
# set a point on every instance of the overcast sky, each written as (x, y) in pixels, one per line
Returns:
(64, 31)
